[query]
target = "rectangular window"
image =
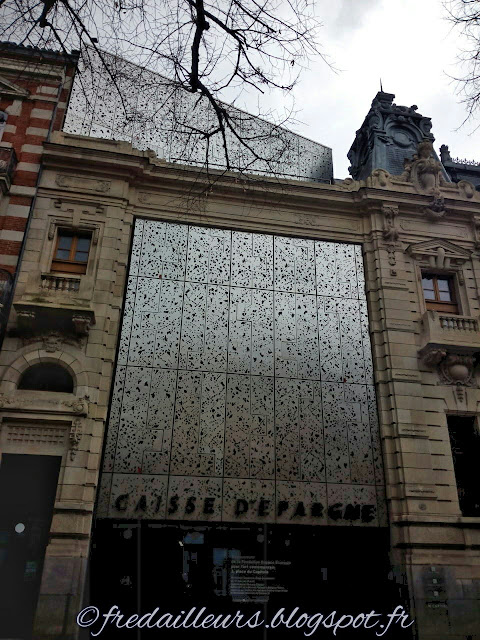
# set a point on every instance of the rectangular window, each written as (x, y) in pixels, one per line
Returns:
(465, 443)
(439, 292)
(71, 251)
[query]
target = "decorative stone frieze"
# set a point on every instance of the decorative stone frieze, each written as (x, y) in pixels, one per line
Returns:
(87, 184)
(22, 401)
(52, 341)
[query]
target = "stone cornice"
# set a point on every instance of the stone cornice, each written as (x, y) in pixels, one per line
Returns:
(113, 172)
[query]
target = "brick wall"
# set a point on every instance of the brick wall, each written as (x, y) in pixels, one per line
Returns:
(34, 91)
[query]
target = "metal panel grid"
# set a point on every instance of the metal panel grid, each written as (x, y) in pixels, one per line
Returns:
(244, 366)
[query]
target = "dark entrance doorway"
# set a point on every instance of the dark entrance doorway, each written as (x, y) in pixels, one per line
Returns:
(27, 493)
(247, 568)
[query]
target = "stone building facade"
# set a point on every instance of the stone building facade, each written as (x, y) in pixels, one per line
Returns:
(387, 263)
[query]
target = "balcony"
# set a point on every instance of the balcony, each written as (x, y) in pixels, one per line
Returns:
(460, 333)
(50, 283)
(8, 163)
(54, 303)
(37, 318)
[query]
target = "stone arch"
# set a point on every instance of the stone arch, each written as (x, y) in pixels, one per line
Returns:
(73, 361)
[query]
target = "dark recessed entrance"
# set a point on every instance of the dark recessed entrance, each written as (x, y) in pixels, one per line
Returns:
(27, 493)
(246, 568)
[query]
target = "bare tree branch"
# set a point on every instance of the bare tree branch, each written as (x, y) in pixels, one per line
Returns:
(465, 16)
(204, 48)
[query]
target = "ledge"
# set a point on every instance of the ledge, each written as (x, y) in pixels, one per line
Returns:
(36, 317)
(460, 333)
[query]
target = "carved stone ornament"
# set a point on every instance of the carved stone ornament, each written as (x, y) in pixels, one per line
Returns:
(379, 178)
(37, 404)
(466, 188)
(390, 231)
(424, 171)
(457, 369)
(5, 400)
(476, 231)
(454, 369)
(81, 324)
(144, 198)
(53, 340)
(438, 254)
(26, 320)
(348, 184)
(89, 184)
(432, 356)
(75, 437)
(78, 405)
(436, 210)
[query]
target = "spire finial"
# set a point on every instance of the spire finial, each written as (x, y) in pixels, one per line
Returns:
(381, 88)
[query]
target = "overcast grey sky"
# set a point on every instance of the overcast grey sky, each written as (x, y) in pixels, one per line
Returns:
(409, 45)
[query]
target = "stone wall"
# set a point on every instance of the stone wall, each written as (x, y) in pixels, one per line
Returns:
(402, 225)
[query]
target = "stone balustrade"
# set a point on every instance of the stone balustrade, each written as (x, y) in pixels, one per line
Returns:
(53, 283)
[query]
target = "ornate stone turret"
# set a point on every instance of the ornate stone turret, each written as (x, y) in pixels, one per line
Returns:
(388, 135)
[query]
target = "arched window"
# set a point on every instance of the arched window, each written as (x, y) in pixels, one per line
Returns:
(47, 377)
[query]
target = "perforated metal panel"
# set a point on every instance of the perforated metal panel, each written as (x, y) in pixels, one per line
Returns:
(150, 112)
(244, 372)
